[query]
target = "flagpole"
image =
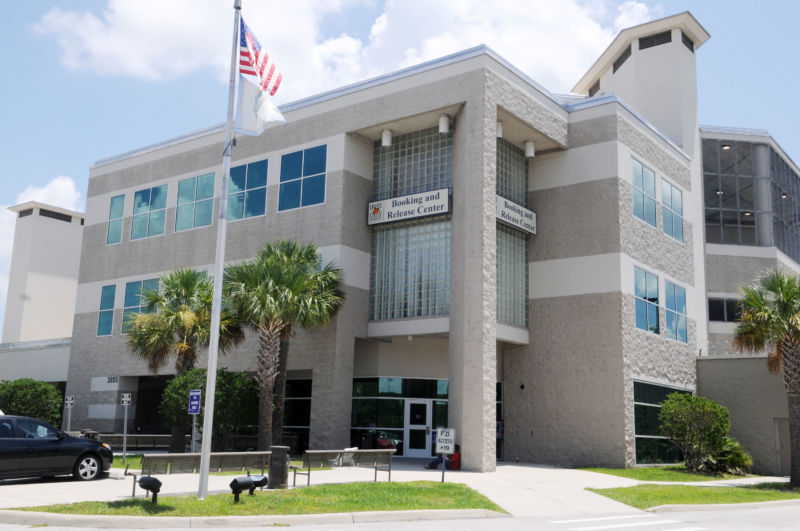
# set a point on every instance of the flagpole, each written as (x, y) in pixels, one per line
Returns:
(216, 306)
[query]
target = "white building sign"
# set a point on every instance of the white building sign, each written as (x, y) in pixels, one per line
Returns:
(515, 215)
(445, 441)
(409, 207)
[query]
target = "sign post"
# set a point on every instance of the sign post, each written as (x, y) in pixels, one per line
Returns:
(69, 401)
(445, 444)
(125, 400)
(194, 409)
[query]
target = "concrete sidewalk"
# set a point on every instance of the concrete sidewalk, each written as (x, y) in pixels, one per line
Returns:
(524, 490)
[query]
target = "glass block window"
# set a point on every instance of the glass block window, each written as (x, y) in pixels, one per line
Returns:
(247, 190)
(651, 446)
(149, 212)
(303, 178)
(105, 319)
(195, 202)
(646, 294)
(134, 304)
(512, 276)
(410, 273)
(512, 173)
(416, 162)
(644, 192)
(675, 303)
(672, 211)
(115, 211)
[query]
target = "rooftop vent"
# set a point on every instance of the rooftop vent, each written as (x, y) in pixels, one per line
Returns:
(623, 57)
(655, 40)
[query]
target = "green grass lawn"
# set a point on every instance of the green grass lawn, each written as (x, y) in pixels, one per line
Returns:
(666, 473)
(333, 498)
(646, 496)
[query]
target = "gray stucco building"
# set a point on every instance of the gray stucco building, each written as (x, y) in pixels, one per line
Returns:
(536, 271)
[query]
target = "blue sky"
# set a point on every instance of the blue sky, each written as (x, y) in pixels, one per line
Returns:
(88, 79)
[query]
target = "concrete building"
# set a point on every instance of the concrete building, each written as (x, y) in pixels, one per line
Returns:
(466, 205)
(537, 271)
(42, 286)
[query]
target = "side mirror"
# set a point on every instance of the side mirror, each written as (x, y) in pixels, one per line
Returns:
(60, 434)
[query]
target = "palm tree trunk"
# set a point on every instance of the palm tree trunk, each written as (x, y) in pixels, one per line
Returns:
(280, 388)
(790, 359)
(267, 368)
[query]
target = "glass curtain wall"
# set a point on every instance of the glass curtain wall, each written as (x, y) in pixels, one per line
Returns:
(512, 244)
(410, 262)
(785, 206)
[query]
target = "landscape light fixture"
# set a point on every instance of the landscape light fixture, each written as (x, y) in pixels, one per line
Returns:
(444, 124)
(151, 484)
(386, 138)
(247, 483)
(499, 129)
(530, 151)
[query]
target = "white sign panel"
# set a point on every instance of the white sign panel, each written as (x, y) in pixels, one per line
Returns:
(125, 399)
(409, 207)
(69, 400)
(445, 441)
(515, 215)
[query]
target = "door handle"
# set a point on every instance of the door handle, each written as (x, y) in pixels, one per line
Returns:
(427, 430)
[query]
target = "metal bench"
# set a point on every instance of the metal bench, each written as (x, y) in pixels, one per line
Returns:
(190, 463)
(380, 460)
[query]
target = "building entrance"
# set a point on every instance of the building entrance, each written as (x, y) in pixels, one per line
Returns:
(418, 428)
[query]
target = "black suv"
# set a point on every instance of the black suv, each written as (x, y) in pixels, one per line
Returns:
(32, 448)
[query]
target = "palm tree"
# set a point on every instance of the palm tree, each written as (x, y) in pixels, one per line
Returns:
(177, 324)
(281, 285)
(770, 318)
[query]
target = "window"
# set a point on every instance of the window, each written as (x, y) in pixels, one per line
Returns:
(672, 213)
(512, 276)
(651, 446)
(689, 43)
(297, 415)
(675, 311)
(655, 40)
(26, 212)
(33, 429)
(134, 302)
(622, 58)
(195, 202)
(302, 178)
(55, 215)
(416, 162)
(410, 271)
(646, 293)
(644, 193)
(105, 319)
(115, 219)
(723, 310)
(149, 211)
(594, 89)
(247, 190)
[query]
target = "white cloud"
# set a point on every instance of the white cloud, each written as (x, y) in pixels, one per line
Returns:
(554, 42)
(61, 192)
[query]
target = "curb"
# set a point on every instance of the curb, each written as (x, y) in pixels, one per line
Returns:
(150, 522)
(720, 506)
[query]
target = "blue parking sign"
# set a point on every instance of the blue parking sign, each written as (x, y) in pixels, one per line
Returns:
(194, 401)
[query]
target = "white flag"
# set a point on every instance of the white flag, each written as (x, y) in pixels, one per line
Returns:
(255, 109)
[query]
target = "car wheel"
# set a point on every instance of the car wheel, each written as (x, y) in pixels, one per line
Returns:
(86, 468)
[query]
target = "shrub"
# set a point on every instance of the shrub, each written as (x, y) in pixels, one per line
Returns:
(235, 402)
(31, 398)
(696, 425)
(732, 458)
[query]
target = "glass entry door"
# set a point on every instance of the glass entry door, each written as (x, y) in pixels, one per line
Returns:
(418, 428)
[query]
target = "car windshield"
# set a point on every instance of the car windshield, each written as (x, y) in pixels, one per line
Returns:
(31, 429)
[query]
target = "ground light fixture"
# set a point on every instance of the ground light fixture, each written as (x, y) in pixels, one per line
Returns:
(151, 484)
(247, 483)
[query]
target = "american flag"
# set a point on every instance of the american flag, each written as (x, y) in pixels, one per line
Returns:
(256, 63)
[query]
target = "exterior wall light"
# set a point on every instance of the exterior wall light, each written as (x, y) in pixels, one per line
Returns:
(386, 138)
(499, 129)
(444, 124)
(530, 151)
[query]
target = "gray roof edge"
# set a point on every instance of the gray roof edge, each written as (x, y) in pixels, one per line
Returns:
(37, 343)
(613, 98)
(456, 57)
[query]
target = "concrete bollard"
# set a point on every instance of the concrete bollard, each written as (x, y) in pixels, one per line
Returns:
(278, 467)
